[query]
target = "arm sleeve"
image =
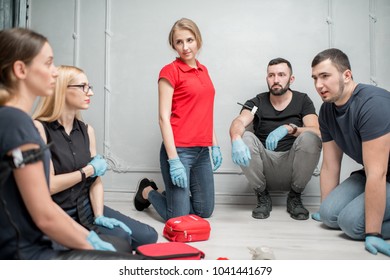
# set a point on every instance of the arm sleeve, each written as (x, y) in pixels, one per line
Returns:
(251, 103)
(325, 136)
(169, 72)
(374, 116)
(20, 130)
(307, 106)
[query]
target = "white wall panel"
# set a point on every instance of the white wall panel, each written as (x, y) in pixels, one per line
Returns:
(381, 16)
(122, 45)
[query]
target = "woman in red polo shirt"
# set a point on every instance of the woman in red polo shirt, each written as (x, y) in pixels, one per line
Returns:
(186, 103)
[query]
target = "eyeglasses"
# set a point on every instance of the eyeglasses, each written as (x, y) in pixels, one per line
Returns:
(84, 87)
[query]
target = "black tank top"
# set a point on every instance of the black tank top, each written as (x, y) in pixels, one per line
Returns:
(70, 153)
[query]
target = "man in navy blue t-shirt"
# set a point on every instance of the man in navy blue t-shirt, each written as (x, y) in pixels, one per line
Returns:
(355, 120)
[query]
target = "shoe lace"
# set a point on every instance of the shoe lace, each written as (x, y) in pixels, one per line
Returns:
(296, 202)
(263, 199)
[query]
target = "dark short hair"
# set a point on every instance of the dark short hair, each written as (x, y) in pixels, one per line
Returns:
(337, 57)
(279, 60)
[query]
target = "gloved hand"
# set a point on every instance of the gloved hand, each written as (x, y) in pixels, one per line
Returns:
(274, 137)
(99, 244)
(111, 223)
(316, 216)
(376, 244)
(217, 157)
(99, 165)
(178, 173)
(240, 153)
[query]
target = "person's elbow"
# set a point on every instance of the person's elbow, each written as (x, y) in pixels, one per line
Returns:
(46, 216)
(44, 222)
(377, 174)
(317, 131)
(163, 121)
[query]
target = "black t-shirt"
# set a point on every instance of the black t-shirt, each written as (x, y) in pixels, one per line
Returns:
(17, 129)
(267, 118)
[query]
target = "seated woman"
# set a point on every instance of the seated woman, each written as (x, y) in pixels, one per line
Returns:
(29, 219)
(75, 169)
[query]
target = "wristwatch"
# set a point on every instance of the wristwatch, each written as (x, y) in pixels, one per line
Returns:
(294, 127)
(83, 176)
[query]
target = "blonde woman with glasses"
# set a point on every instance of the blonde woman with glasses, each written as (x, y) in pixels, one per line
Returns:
(76, 169)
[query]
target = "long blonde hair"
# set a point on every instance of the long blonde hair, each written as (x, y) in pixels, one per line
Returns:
(50, 108)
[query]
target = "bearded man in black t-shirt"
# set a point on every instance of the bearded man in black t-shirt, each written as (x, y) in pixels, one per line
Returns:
(283, 150)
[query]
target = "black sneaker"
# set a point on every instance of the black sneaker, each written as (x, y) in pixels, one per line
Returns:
(264, 205)
(295, 207)
(139, 202)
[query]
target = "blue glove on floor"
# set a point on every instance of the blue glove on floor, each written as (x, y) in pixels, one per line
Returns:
(274, 137)
(99, 244)
(178, 173)
(240, 153)
(99, 165)
(376, 244)
(316, 216)
(111, 223)
(217, 157)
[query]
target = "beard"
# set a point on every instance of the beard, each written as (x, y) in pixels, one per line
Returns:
(339, 95)
(279, 91)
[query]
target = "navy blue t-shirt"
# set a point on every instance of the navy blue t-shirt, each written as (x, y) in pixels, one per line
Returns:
(17, 129)
(364, 117)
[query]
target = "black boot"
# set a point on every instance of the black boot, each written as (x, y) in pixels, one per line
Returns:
(264, 205)
(295, 207)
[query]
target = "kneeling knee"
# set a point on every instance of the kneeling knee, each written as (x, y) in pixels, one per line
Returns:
(150, 236)
(204, 214)
(352, 227)
(328, 218)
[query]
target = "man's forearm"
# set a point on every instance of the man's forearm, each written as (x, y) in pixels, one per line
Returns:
(237, 129)
(328, 182)
(375, 204)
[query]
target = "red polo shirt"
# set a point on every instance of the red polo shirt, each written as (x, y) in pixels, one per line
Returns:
(192, 103)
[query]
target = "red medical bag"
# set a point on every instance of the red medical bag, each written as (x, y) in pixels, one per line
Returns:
(188, 228)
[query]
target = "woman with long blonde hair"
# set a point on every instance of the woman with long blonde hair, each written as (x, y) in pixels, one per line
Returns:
(76, 169)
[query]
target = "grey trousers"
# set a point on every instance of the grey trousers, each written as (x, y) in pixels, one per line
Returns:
(282, 171)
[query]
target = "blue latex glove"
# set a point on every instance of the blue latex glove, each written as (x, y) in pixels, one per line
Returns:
(240, 153)
(111, 223)
(316, 216)
(99, 244)
(217, 157)
(99, 165)
(376, 244)
(178, 173)
(274, 137)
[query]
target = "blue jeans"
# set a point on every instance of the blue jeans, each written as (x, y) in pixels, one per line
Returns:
(198, 198)
(344, 208)
(141, 233)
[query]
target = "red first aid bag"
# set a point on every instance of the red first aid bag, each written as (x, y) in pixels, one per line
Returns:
(188, 228)
(170, 251)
